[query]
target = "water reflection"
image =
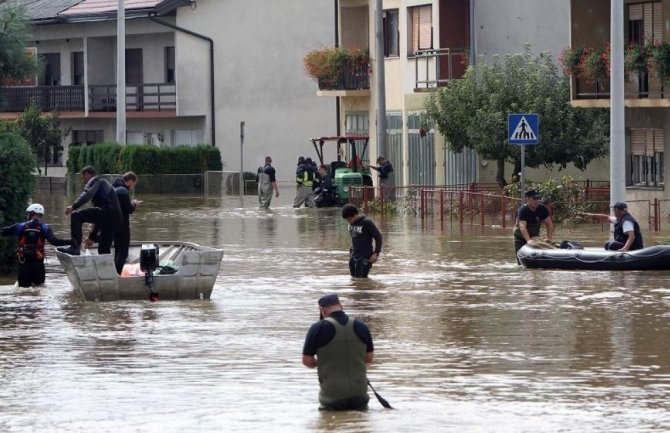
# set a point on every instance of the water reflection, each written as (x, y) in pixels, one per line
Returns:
(466, 341)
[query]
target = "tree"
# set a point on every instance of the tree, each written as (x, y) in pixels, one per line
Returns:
(44, 134)
(17, 182)
(472, 112)
(15, 63)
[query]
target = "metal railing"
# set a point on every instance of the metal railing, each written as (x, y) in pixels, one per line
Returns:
(47, 98)
(354, 76)
(636, 87)
(139, 97)
(435, 67)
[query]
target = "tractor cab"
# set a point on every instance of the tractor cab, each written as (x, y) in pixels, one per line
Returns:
(343, 173)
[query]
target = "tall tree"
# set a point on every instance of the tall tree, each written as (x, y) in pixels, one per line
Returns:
(15, 63)
(472, 112)
(44, 134)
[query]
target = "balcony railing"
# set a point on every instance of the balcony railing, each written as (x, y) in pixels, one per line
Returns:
(140, 97)
(48, 98)
(434, 68)
(354, 77)
(644, 86)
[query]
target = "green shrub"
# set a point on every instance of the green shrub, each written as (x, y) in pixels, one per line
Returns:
(17, 182)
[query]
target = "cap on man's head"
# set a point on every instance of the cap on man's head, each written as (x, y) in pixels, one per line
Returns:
(532, 193)
(620, 205)
(328, 300)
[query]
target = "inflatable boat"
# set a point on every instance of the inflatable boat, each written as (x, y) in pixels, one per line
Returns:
(656, 257)
(174, 270)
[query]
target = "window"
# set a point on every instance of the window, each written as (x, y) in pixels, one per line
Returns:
(644, 23)
(391, 35)
(421, 23)
(646, 157)
(80, 137)
(78, 68)
(169, 65)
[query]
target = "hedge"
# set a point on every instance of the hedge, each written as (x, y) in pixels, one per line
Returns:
(17, 182)
(145, 159)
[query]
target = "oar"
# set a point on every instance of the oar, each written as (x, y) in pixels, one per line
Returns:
(381, 399)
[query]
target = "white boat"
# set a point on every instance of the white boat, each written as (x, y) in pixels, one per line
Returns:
(184, 271)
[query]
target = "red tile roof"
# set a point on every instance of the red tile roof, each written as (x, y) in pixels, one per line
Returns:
(93, 7)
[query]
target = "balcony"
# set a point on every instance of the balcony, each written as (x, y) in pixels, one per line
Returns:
(102, 98)
(435, 67)
(339, 71)
(640, 90)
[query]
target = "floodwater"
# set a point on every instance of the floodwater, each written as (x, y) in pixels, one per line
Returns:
(465, 340)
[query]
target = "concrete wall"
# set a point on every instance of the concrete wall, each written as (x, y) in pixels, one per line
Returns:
(260, 78)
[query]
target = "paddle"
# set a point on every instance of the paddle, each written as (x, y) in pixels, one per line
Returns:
(381, 399)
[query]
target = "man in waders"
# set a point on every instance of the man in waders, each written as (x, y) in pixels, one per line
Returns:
(30, 249)
(386, 177)
(266, 183)
(341, 348)
(362, 231)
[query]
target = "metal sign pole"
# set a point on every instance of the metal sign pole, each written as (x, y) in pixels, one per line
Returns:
(522, 175)
(241, 158)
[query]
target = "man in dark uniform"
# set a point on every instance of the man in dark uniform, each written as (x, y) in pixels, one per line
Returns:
(30, 250)
(362, 231)
(105, 213)
(529, 220)
(341, 348)
(627, 233)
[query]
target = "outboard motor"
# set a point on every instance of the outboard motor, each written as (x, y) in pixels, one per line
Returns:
(148, 264)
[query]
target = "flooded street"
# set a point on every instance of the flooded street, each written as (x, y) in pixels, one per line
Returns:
(465, 339)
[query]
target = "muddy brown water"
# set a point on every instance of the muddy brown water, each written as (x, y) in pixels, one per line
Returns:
(465, 340)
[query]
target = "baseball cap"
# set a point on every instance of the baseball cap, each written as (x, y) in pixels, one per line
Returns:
(532, 193)
(328, 300)
(620, 205)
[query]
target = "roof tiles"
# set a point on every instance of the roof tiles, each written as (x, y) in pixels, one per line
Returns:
(94, 7)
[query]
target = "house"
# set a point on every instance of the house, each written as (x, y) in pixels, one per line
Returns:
(645, 25)
(194, 70)
(426, 44)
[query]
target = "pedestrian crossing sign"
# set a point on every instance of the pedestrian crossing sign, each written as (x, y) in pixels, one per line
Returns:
(523, 128)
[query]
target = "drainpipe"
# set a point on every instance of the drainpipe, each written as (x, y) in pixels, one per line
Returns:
(337, 44)
(211, 67)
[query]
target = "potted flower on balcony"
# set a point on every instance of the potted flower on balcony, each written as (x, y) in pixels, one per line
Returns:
(660, 54)
(636, 59)
(326, 66)
(338, 67)
(571, 60)
(596, 64)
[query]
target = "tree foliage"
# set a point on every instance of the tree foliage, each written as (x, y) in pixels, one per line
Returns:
(15, 64)
(17, 182)
(44, 134)
(472, 112)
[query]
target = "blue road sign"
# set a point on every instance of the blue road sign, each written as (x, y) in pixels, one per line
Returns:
(523, 128)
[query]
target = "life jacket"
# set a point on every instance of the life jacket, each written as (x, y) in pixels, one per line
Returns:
(305, 176)
(620, 236)
(31, 242)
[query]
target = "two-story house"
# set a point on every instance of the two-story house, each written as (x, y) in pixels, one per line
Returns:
(646, 24)
(426, 44)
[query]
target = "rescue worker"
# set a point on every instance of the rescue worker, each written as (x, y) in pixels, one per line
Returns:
(30, 249)
(122, 186)
(340, 347)
(304, 177)
(105, 213)
(267, 182)
(326, 193)
(627, 233)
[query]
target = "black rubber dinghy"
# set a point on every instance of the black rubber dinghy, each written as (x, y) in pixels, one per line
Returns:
(598, 259)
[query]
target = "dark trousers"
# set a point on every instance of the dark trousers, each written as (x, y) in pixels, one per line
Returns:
(518, 243)
(354, 403)
(121, 245)
(31, 272)
(359, 267)
(613, 245)
(107, 220)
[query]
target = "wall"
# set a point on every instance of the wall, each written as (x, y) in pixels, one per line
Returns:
(260, 78)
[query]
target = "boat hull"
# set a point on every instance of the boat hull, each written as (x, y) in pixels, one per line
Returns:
(95, 278)
(652, 258)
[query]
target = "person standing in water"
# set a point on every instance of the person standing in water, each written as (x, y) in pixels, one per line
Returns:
(267, 183)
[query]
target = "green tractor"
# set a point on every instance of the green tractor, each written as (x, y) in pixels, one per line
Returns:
(343, 174)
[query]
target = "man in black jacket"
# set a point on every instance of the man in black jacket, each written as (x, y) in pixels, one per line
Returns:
(105, 213)
(363, 231)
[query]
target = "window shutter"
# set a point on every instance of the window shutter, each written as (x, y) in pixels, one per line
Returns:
(415, 30)
(658, 141)
(637, 141)
(658, 22)
(648, 21)
(635, 12)
(425, 27)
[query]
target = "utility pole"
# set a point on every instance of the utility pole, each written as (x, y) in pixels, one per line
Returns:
(380, 78)
(617, 114)
(121, 73)
(241, 158)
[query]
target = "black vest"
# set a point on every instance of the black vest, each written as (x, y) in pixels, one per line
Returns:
(620, 236)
